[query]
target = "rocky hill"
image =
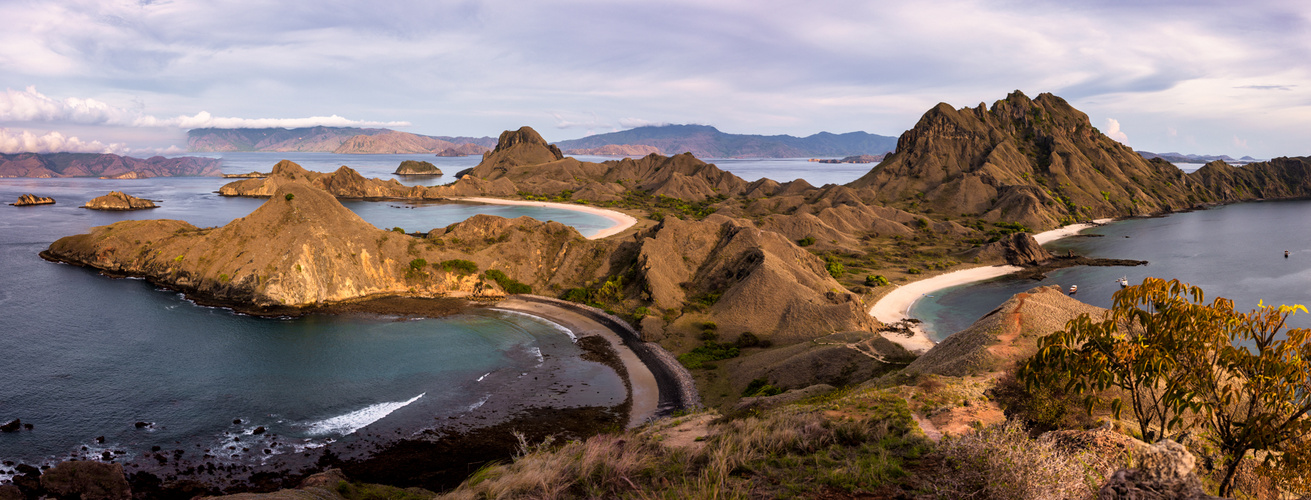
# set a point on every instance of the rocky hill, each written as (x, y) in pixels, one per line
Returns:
(393, 142)
(50, 165)
(636, 150)
(317, 139)
(411, 167)
(708, 142)
(116, 201)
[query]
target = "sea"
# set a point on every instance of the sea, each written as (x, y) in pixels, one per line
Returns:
(109, 369)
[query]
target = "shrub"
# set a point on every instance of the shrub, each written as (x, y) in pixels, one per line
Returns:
(510, 285)
(760, 387)
(289, 197)
(876, 280)
(914, 270)
(807, 241)
(709, 351)
(418, 264)
(834, 268)
(1001, 461)
(748, 339)
(397, 229)
(458, 265)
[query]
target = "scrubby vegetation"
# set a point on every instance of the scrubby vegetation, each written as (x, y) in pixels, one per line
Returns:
(507, 283)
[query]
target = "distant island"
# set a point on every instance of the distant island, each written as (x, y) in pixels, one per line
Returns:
(635, 150)
(341, 140)
(704, 141)
(1189, 158)
(110, 166)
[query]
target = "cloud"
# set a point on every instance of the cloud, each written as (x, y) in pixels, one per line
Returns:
(1240, 143)
(32, 106)
(1113, 131)
(593, 122)
(1267, 87)
(638, 122)
(25, 141)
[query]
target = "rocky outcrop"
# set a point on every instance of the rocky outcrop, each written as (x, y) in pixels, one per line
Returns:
(109, 166)
(1018, 249)
(118, 201)
(303, 248)
(31, 199)
(1164, 472)
(634, 150)
(1005, 335)
(411, 167)
(87, 480)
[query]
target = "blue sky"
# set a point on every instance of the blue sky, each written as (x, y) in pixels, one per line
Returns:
(1208, 77)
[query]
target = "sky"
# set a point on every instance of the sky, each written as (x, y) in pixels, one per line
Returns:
(1202, 77)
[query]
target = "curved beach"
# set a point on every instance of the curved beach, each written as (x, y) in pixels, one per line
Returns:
(895, 306)
(621, 220)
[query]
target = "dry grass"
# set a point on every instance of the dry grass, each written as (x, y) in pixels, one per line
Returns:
(1003, 462)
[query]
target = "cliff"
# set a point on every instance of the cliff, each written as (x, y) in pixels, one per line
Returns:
(118, 201)
(303, 248)
(50, 165)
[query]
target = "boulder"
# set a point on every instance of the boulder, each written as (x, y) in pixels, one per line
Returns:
(87, 480)
(31, 199)
(1019, 249)
(1165, 472)
(13, 426)
(116, 200)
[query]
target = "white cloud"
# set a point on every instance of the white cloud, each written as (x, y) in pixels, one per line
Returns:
(638, 122)
(1113, 131)
(32, 106)
(25, 141)
(1240, 143)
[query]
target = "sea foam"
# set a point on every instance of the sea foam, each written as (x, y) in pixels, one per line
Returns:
(358, 419)
(539, 319)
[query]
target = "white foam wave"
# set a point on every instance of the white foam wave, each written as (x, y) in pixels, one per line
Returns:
(558, 327)
(358, 419)
(537, 352)
(480, 379)
(480, 402)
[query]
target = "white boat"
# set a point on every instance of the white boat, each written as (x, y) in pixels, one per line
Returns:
(1074, 289)
(1124, 282)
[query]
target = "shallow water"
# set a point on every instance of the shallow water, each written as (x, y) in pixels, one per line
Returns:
(1233, 251)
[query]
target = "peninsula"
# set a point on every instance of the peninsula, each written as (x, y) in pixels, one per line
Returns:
(53, 165)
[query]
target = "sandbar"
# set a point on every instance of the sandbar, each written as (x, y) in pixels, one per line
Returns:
(895, 306)
(621, 220)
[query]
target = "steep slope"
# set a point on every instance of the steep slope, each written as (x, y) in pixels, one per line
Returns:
(708, 142)
(1037, 162)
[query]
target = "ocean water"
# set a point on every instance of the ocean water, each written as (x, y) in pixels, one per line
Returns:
(84, 356)
(1233, 251)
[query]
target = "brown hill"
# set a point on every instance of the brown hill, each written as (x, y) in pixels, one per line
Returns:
(347, 183)
(303, 248)
(411, 167)
(394, 142)
(50, 165)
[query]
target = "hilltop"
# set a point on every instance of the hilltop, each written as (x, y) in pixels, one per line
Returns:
(50, 165)
(705, 141)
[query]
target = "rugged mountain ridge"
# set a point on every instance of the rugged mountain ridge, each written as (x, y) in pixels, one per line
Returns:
(705, 141)
(316, 139)
(393, 142)
(51, 165)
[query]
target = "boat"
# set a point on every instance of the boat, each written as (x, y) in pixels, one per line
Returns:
(1074, 289)
(1124, 282)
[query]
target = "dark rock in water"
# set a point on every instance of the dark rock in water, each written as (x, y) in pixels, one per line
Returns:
(258, 430)
(236, 421)
(143, 425)
(31, 199)
(118, 201)
(28, 426)
(1165, 472)
(25, 469)
(411, 167)
(100, 439)
(12, 426)
(87, 480)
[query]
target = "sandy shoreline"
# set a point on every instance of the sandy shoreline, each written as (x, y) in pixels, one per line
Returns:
(644, 392)
(895, 306)
(621, 220)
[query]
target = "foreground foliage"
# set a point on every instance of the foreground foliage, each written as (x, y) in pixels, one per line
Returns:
(1242, 377)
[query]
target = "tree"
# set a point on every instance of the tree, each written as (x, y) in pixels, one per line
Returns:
(1139, 348)
(1243, 377)
(1256, 390)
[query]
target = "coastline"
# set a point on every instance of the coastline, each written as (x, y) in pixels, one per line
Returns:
(621, 220)
(895, 306)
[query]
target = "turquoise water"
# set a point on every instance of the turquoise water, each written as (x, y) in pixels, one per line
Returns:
(1233, 251)
(85, 356)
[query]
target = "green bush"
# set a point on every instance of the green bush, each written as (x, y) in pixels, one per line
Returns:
(834, 268)
(418, 264)
(510, 285)
(709, 351)
(760, 387)
(876, 280)
(289, 197)
(914, 270)
(807, 241)
(459, 265)
(397, 229)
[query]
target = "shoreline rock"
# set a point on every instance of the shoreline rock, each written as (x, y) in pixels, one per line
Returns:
(31, 199)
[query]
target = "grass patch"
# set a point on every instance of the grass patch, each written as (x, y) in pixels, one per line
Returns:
(458, 266)
(510, 285)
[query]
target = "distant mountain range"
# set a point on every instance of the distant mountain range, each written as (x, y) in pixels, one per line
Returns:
(701, 140)
(1186, 158)
(345, 140)
(704, 141)
(51, 165)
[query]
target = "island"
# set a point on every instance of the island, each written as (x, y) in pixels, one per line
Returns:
(118, 201)
(31, 199)
(412, 167)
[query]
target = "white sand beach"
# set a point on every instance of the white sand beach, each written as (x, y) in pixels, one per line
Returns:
(895, 306)
(621, 221)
